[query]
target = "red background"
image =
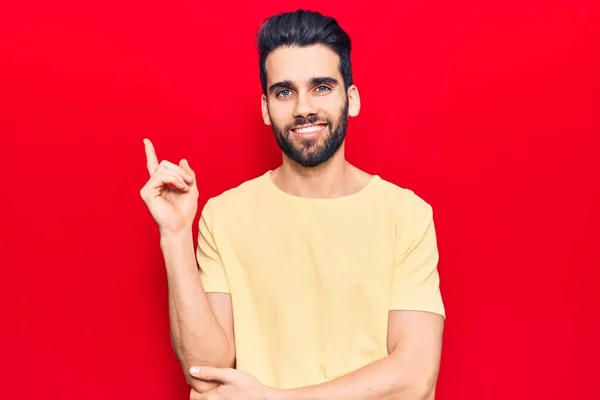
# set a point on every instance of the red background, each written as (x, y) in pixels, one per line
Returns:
(489, 112)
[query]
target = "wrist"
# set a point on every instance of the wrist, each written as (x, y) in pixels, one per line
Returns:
(176, 239)
(275, 394)
(168, 236)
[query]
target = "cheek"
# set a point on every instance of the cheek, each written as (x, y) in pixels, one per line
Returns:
(329, 107)
(281, 115)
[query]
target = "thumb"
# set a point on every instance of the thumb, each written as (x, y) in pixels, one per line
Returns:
(211, 374)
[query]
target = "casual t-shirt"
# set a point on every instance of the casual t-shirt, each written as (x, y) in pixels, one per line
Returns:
(312, 280)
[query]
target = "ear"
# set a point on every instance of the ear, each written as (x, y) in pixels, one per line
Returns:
(265, 110)
(353, 101)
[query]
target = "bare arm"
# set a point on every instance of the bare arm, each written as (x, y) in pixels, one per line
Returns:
(409, 372)
(201, 323)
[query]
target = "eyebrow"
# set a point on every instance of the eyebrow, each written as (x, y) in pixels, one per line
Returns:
(313, 81)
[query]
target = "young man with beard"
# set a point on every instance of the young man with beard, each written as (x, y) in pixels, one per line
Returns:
(317, 280)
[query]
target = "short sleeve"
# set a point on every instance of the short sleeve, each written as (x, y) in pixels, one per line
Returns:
(416, 282)
(212, 273)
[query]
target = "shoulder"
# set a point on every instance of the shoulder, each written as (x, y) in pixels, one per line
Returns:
(411, 215)
(404, 202)
(238, 197)
(391, 196)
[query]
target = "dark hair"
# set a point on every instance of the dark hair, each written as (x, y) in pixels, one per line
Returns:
(304, 28)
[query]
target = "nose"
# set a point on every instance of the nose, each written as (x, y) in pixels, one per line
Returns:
(304, 106)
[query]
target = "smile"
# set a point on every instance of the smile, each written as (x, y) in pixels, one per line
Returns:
(310, 128)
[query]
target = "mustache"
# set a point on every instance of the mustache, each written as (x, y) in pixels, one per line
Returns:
(311, 119)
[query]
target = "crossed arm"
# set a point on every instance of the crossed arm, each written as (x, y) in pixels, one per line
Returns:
(408, 372)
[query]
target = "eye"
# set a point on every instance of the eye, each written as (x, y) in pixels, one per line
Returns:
(283, 93)
(322, 89)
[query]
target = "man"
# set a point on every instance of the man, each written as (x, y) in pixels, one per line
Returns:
(328, 274)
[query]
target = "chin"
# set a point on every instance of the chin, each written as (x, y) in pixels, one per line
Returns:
(311, 161)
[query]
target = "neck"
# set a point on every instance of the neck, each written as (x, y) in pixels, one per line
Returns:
(333, 178)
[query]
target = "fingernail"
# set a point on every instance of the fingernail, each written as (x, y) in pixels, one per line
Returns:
(194, 371)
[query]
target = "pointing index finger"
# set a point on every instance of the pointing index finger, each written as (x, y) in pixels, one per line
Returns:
(151, 159)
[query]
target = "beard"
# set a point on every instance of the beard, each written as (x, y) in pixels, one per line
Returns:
(313, 152)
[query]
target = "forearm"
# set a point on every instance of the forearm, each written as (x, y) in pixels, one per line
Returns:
(197, 337)
(386, 379)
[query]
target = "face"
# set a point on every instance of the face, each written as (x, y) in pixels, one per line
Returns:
(306, 103)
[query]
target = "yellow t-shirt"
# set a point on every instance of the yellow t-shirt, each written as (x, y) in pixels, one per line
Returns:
(312, 280)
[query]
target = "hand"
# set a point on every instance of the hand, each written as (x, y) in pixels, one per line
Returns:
(198, 386)
(171, 193)
(234, 385)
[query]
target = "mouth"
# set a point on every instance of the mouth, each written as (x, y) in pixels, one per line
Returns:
(309, 129)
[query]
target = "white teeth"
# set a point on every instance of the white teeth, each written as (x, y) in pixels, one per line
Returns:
(309, 129)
